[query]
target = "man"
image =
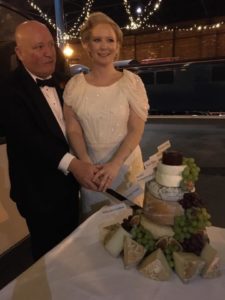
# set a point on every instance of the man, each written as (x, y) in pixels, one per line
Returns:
(41, 169)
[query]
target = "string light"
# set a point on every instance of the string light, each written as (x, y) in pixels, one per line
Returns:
(143, 18)
(139, 22)
(196, 27)
(74, 31)
(41, 13)
(139, 10)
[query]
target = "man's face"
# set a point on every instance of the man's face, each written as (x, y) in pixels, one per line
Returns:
(36, 50)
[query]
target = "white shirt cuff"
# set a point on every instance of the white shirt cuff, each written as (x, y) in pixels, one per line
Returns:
(64, 163)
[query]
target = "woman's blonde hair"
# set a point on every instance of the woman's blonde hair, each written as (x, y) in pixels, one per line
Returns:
(95, 19)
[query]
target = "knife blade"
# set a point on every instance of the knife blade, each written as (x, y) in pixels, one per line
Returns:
(120, 197)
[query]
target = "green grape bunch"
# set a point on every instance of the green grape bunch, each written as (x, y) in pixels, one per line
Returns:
(143, 237)
(190, 173)
(194, 220)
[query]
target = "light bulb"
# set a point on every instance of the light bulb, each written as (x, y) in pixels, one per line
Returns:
(68, 51)
(138, 10)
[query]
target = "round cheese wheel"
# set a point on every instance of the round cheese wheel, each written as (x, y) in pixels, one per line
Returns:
(164, 193)
(170, 170)
(173, 158)
(168, 180)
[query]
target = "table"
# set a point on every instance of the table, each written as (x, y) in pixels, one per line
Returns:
(80, 268)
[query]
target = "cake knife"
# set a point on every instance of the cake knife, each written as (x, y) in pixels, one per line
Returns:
(120, 197)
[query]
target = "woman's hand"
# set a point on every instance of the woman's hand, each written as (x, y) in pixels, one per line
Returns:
(105, 176)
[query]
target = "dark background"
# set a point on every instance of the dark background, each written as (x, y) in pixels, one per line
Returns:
(170, 11)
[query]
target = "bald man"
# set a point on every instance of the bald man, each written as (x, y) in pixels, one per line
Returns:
(45, 177)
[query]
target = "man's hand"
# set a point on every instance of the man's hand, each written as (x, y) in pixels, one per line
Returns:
(84, 173)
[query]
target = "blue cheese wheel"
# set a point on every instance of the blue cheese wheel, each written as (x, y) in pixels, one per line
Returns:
(163, 192)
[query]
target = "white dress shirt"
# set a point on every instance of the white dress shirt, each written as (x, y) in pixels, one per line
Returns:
(53, 101)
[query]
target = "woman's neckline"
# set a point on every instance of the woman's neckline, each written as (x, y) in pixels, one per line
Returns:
(102, 86)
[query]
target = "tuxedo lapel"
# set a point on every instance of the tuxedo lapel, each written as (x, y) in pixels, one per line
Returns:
(38, 104)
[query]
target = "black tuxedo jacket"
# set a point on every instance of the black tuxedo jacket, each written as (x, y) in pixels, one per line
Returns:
(35, 146)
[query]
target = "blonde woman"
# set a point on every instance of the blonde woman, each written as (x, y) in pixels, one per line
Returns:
(105, 112)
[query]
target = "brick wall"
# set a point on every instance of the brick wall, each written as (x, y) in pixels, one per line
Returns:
(184, 44)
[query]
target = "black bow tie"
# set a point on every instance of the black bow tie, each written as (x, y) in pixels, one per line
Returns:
(46, 82)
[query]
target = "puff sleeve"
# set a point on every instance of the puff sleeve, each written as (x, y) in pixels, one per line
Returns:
(136, 93)
(73, 91)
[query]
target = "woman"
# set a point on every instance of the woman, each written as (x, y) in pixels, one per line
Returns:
(105, 111)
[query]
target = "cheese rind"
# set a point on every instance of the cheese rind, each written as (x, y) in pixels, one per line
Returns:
(161, 212)
(172, 158)
(114, 241)
(155, 266)
(212, 266)
(133, 252)
(156, 230)
(163, 192)
(170, 170)
(169, 176)
(187, 265)
(168, 180)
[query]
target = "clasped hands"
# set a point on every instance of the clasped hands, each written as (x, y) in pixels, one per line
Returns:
(105, 175)
(94, 177)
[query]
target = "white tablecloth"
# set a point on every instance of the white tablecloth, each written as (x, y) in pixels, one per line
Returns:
(80, 268)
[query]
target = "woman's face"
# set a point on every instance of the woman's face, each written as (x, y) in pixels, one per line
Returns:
(103, 46)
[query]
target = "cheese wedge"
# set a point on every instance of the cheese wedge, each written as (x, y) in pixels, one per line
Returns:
(133, 252)
(105, 231)
(113, 242)
(212, 266)
(187, 265)
(155, 266)
(156, 230)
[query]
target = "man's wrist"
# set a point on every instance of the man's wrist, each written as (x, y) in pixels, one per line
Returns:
(65, 162)
(72, 164)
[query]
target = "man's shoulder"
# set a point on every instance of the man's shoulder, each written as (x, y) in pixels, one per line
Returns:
(6, 82)
(12, 76)
(16, 79)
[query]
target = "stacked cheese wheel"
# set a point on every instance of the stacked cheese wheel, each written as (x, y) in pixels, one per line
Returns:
(163, 193)
(168, 234)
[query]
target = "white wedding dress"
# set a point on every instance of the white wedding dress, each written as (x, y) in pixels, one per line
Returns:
(103, 113)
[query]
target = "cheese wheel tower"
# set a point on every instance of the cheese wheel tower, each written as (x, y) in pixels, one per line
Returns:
(163, 193)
